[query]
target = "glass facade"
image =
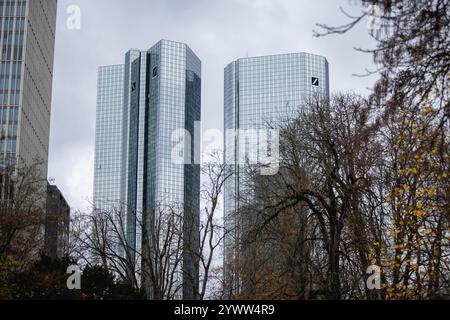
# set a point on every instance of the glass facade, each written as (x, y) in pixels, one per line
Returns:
(27, 39)
(260, 91)
(161, 94)
(108, 137)
(12, 27)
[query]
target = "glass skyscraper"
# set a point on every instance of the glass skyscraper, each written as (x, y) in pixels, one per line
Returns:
(108, 137)
(160, 93)
(27, 42)
(261, 91)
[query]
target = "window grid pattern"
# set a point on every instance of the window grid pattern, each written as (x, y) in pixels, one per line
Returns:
(27, 40)
(108, 137)
(12, 31)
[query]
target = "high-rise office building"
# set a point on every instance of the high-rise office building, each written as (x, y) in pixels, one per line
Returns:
(27, 42)
(57, 223)
(260, 91)
(108, 137)
(161, 94)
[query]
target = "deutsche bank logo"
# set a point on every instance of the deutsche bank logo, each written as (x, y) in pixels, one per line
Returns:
(315, 82)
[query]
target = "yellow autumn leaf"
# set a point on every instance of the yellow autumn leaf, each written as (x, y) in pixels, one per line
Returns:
(419, 213)
(427, 111)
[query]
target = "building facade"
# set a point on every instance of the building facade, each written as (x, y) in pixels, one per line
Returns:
(108, 137)
(57, 223)
(161, 96)
(260, 92)
(27, 42)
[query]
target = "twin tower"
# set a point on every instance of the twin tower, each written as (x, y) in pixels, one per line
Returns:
(141, 103)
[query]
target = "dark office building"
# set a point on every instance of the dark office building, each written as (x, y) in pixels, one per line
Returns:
(57, 223)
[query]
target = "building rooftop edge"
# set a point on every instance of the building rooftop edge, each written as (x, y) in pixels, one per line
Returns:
(277, 55)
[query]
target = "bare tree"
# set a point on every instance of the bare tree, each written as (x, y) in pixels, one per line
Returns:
(353, 199)
(325, 157)
(22, 211)
(412, 99)
(413, 60)
(153, 258)
(212, 231)
(102, 238)
(162, 253)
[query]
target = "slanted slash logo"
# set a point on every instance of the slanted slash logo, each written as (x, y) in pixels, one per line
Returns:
(315, 82)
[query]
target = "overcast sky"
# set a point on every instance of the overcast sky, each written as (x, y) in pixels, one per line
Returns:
(218, 31)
